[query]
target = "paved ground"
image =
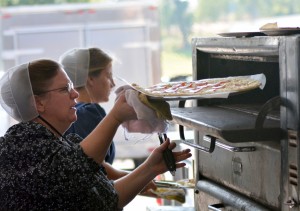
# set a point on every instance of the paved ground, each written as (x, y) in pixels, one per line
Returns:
(140, 203)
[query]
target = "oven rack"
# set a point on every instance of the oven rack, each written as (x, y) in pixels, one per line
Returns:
(230, 123)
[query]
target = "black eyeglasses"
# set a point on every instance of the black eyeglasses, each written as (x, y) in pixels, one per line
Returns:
(66, 89)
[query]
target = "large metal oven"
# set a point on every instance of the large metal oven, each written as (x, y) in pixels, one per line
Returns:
(247, 155)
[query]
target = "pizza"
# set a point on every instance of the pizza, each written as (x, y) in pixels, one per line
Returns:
(177, 194)
(200, 87)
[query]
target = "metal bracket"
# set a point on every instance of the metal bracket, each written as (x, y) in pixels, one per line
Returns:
(265, 109)
(209, 149)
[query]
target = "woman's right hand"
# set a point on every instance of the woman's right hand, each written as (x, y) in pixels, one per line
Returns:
(122, 111)
(95, 145)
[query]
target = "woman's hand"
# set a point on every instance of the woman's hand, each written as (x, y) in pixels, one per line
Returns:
(132, 184)
(147, 189)
(122, 111)
(156, 163)
(95, 145)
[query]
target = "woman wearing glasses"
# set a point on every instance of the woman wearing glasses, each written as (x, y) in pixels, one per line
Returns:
(43, 170)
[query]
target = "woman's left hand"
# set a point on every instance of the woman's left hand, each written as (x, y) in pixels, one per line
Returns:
(156, 163)
(147, 189)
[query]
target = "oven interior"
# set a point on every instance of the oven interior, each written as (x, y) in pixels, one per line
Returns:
(219, 65)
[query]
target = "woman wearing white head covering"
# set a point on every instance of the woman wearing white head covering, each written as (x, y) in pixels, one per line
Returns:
(90, 70)
(43, 170)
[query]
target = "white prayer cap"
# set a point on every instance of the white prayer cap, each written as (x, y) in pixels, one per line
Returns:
(76, 64)
(17, 97)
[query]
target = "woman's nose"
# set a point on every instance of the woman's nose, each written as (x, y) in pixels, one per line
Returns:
(112, 82)
(74, 93)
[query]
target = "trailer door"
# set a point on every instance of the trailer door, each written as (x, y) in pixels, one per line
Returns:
(129, 45)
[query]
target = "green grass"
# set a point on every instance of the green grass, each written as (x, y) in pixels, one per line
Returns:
(175, 60)
(174, 64)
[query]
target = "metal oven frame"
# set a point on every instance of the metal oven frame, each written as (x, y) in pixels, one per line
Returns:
(283, 53)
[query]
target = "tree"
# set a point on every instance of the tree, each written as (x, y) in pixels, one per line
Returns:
(244, 9)
(184, 20)
(174, 13)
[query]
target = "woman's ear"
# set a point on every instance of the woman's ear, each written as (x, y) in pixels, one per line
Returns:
(39, 103)
(90, 81)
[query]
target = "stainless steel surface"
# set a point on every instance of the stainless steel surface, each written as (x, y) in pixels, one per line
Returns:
(242, 34)
(255, 174)
(268, 176)
(290, 121)
(226, 124)
(257, 46)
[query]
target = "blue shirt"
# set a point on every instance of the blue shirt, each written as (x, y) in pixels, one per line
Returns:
(88, 117)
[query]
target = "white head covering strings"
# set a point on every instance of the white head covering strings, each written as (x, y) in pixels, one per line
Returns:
(17, 97)
(74, 62)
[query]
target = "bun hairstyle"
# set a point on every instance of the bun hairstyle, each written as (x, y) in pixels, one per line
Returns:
(99, 60)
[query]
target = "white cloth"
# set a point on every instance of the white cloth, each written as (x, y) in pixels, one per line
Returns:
(147, 120)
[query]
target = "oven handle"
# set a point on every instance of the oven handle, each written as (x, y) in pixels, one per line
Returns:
(265, 109)
(230, 148)
(213, 144)
(209, 149)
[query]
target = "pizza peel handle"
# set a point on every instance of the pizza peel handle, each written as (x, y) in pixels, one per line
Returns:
(168, 156)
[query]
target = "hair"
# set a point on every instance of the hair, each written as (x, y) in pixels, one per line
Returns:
(99, 60)
(41, 73)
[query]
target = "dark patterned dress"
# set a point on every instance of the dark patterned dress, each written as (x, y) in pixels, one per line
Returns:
(38, 171)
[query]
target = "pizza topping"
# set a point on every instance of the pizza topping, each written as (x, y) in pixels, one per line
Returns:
(201, 87)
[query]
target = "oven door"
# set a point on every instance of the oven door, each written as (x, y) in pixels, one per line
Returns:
(250, 177)
(237, 152)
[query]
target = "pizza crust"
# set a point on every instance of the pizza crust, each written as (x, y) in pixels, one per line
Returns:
(200, 87)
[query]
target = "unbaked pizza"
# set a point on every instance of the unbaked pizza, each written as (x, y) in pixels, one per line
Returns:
(200, 87)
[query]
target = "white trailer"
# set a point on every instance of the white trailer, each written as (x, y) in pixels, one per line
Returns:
(128, 30)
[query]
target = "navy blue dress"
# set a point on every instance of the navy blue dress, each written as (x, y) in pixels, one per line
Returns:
(88, 117)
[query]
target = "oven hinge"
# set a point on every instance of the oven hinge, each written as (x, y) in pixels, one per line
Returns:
(291, 171)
